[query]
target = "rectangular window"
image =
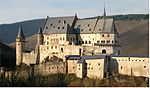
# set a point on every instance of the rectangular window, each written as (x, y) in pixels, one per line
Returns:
(51, 47)
(55, 47)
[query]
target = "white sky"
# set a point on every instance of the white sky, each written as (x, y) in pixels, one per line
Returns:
(20, 10)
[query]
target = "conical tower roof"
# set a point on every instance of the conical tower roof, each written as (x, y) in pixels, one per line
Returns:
(20, 33)
(104, 14)
(40, 30)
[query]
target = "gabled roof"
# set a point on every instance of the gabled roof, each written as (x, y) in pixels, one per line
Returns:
(59, 25)
(85, 25)
(89, 26)
(20, 33)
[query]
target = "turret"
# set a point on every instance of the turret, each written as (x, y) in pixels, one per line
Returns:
(104, 14)
(19, 46)
(39, 37)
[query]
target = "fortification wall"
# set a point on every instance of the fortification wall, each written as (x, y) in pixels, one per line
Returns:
(95, 68)
(29, 58)
(49, 68)
(72, 66)
(136, 66)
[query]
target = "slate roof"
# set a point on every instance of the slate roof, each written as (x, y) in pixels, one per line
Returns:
(20, 33)
(40, 31)
(130, 56)
(96, 44)
(81, 61)
(86, 57)
(64, 25)
(59, 25)
(86, 26)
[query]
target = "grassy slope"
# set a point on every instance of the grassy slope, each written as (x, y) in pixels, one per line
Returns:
(135, 40)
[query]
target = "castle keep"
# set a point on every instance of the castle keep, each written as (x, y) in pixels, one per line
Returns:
(85, 47)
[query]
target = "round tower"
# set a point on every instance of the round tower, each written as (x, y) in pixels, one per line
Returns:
(19, 46)
(39, 37)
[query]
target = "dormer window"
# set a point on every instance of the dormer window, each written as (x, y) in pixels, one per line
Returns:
(64, 22)
(79, 25)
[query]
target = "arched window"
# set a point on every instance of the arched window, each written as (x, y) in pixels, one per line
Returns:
(103, 51)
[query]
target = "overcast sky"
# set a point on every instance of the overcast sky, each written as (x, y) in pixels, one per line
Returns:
(20, 10)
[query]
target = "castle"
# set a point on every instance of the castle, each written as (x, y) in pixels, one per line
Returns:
(85, 47)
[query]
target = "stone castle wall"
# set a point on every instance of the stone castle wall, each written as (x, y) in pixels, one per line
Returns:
(136, 66)
(49, 68)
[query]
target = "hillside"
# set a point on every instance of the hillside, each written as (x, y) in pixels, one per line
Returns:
(8, 32)
(135, 40)
(7, 56)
